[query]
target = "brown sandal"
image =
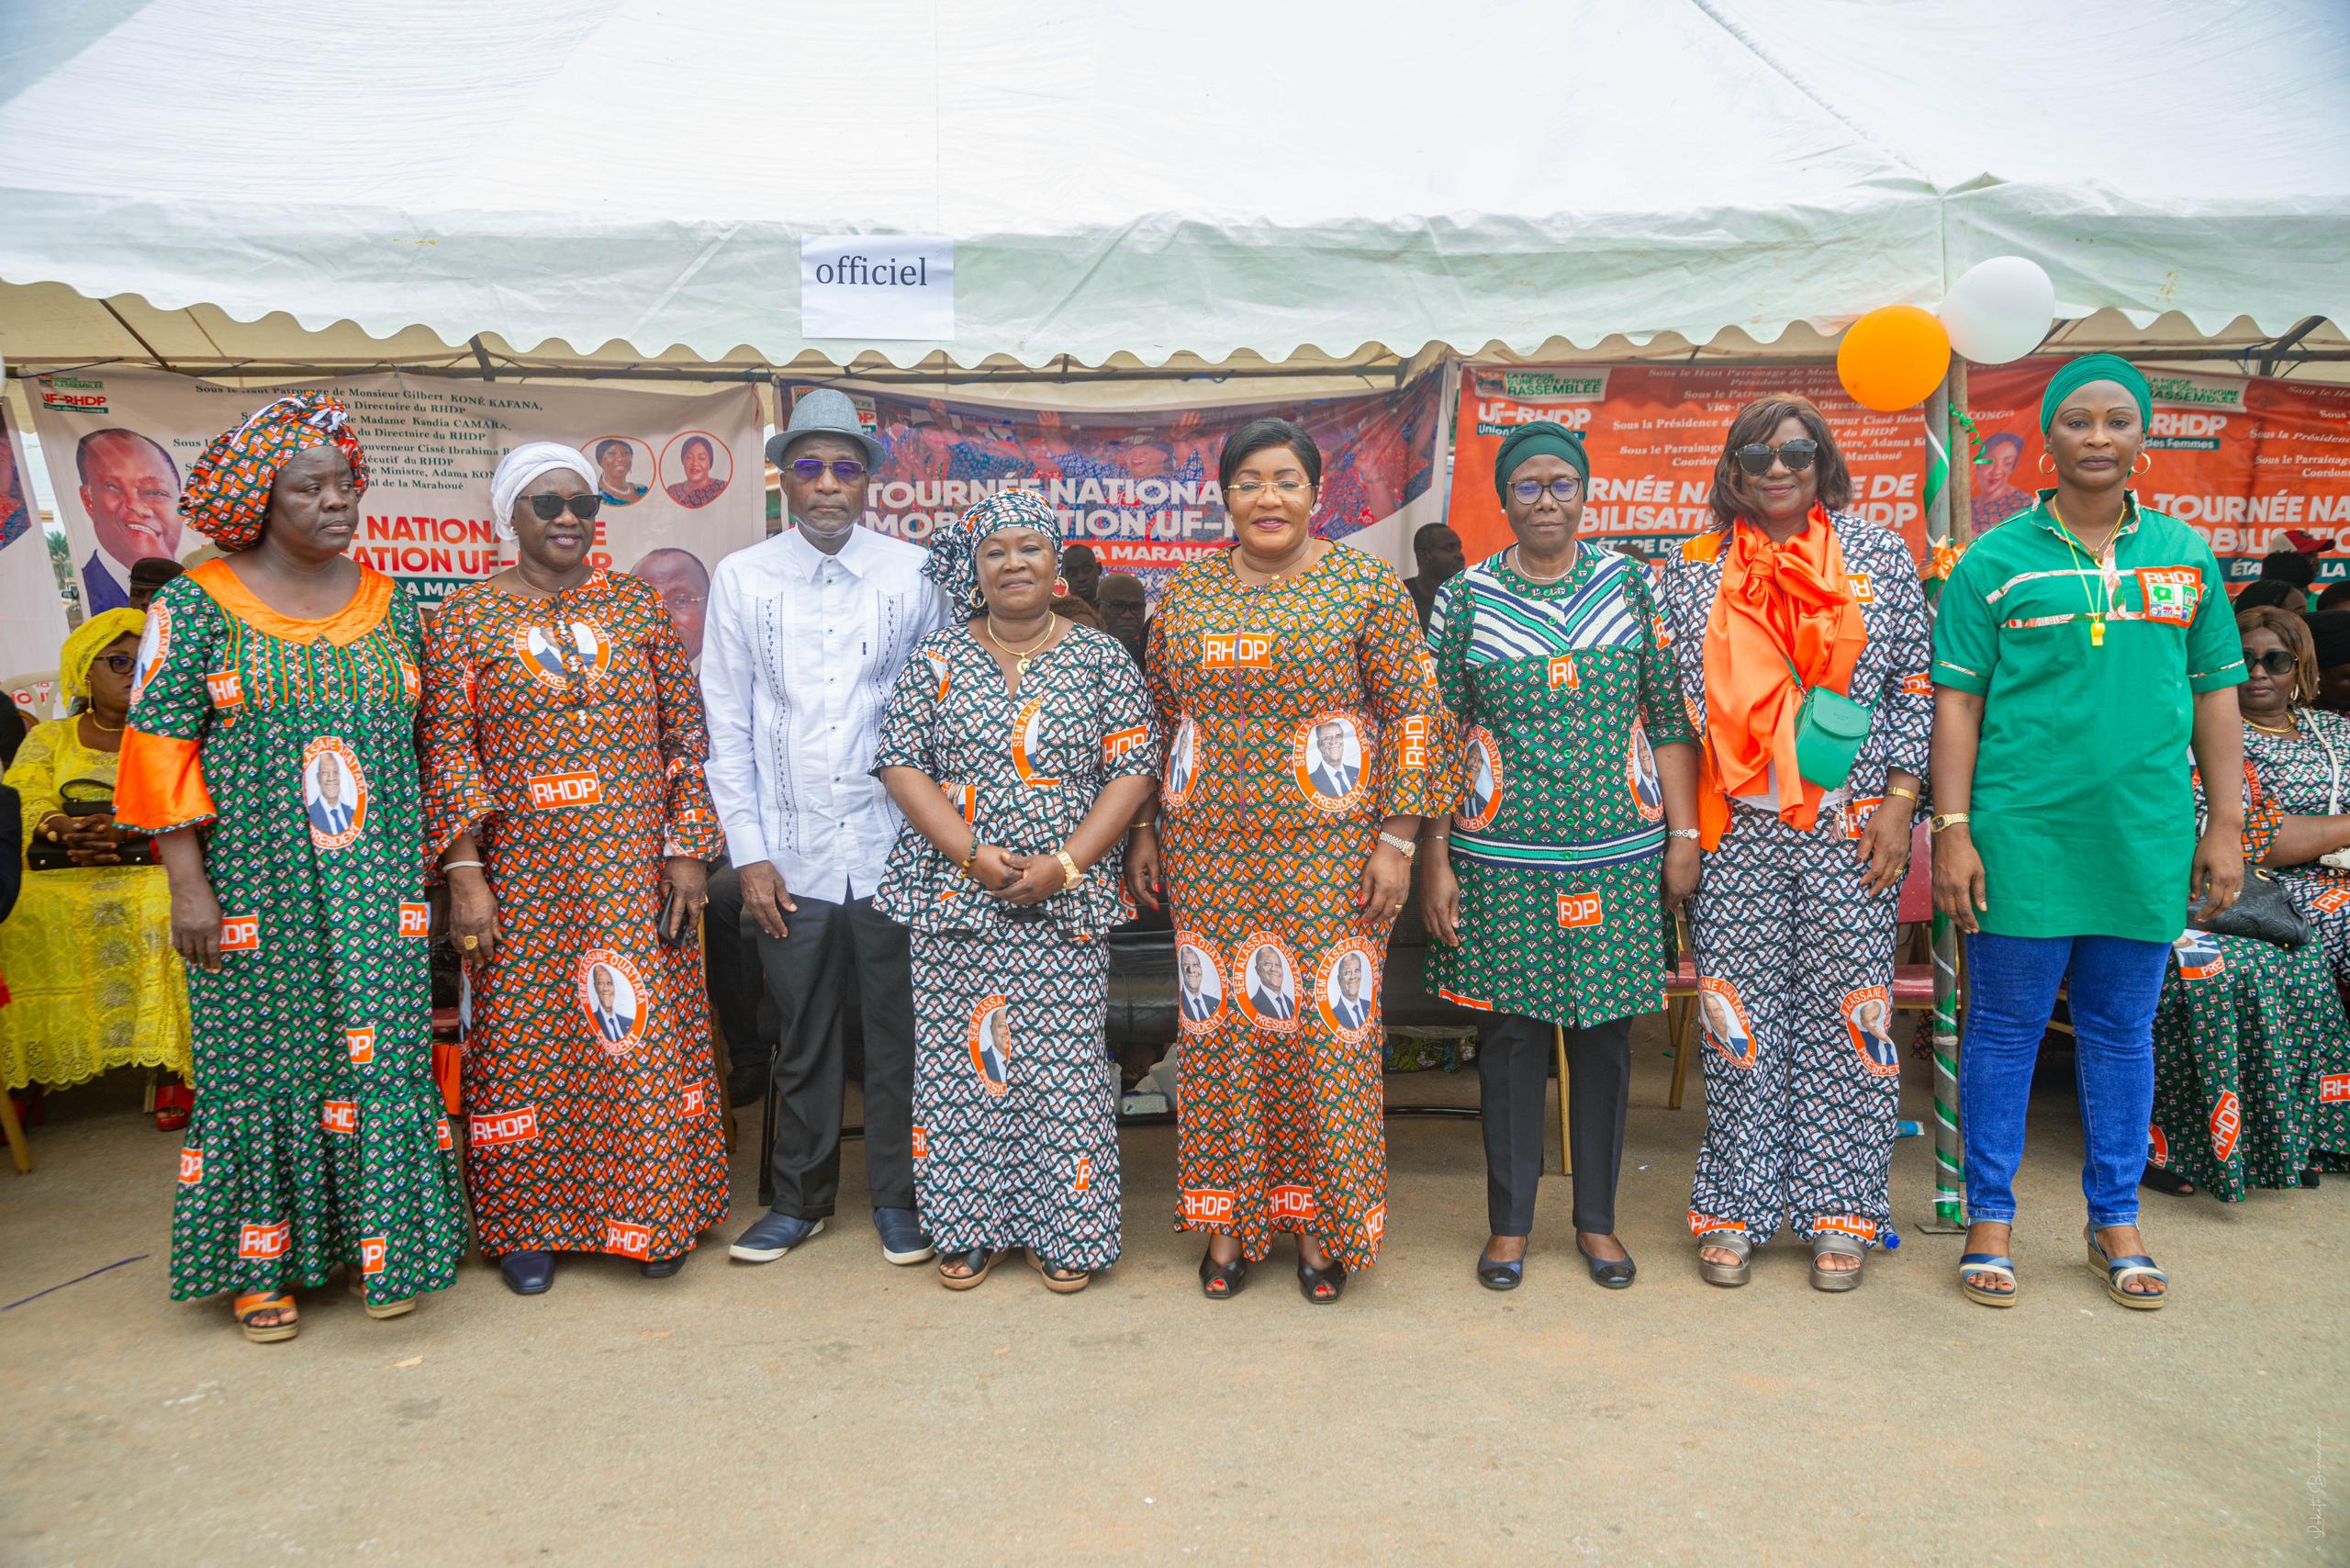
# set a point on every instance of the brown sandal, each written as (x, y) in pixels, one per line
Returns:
(979, 1261)
(1060, 1281)
(279, 1303)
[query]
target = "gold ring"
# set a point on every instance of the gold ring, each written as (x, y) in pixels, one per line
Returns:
(470, 942)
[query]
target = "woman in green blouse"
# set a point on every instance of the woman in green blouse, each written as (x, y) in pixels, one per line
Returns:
(1542, 891)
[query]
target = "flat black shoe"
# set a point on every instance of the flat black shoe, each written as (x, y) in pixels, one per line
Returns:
(528, 1273)
(2171, 1182)
(662, 1268)
(1616, 1273)
(1222, 1281)
(1322, 1286)
(1496, 1275)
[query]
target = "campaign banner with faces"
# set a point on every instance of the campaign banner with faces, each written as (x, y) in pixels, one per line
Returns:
(1138, 486)
(1654, 432)
(2241, 459)
(32, 615)
(682, 477)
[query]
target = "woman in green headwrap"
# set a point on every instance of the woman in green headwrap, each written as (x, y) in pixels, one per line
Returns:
(92, 982)
(2078, 649)
(1541, 890)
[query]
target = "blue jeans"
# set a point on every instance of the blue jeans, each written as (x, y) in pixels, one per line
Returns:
(2011, 985)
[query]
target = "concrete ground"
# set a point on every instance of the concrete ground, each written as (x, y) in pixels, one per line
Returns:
(829, 1408)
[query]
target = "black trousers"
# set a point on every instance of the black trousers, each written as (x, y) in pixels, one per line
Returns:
(738, 989)
(828, 948)
(1513, 1079)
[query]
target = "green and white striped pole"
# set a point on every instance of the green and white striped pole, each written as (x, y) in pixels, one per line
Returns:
(1942, 508)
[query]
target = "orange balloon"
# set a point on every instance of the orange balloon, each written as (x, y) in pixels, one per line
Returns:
(1893, 358)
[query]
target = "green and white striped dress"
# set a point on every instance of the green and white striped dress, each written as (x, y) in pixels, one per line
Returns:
(1562, 690)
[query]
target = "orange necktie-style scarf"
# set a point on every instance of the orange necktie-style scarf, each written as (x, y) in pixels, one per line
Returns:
(1778, 602)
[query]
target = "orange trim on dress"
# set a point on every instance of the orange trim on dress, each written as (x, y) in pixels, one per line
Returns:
(159, 784)
(365, 612)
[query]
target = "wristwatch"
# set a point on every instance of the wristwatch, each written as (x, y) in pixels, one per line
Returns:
(1942, 820)
(1069, 868)
(1405, 846)
(1688, 832)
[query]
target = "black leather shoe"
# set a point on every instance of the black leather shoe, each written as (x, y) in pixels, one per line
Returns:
(1222, 1281)
(1324, 1285)
(527, 1273)
(1616, 1273)
(1496, 1275)
(662, 1268)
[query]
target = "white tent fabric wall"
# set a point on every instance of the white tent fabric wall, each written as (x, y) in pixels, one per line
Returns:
(582, 175)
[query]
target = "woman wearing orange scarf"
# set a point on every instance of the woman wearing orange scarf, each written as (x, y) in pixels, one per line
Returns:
(1793, 921)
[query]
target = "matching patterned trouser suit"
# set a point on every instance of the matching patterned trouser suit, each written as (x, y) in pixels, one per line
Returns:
(1794, 954)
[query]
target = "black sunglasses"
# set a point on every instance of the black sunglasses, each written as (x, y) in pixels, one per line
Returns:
(808, 470)
(2274, 663)
(1796, 454)
(583, 508)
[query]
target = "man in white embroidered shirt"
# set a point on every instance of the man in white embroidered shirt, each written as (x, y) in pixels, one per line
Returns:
(804, 637)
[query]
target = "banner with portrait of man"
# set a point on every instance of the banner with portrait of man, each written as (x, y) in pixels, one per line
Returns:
(682, 476)
(32, 616)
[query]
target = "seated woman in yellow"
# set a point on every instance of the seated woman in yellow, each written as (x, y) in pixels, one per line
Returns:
(93, 981)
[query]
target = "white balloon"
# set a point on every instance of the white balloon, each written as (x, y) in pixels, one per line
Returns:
(1999, 310)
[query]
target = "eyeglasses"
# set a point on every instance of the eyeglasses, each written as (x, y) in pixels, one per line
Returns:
(1249, 490)
(118, 663)
(2273, 663)
(1796, 454)
(1566, 490)
(549, 507)
(808, 470)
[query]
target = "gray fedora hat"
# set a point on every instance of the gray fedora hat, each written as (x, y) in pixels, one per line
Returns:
(825, 411)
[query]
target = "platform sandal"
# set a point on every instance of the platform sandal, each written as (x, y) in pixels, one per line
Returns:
(1729, 1274)
(1835, 1244)
(977, 1260)
(277, 1303)
(1057, 1279)
(1997, 1264)
(2116, 1271)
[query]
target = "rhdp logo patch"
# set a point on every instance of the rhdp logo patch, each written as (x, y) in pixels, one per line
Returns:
(1236, 650)
(360, 1045)
(416, 920)
(371, 1255)
(1207, 1206)
(340, 1116)
(191, 1167)
(550, 791)
(1292, 1202)
(495, 1127)
(2171, 593)
(2333, 1089)
(241, 934)
(628, 1238)
(1581, 911)
(264, 1243)
(2227, 1124)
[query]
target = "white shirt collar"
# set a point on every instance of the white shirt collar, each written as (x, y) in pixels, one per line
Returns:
(806, 560)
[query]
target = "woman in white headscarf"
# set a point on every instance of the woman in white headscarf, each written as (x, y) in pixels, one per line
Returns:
(565, 802)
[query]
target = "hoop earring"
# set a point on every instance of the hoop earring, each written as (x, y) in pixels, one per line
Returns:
(2047, 463)
(2145, 457)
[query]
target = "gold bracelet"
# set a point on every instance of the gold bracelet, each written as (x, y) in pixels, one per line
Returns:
(1909, 795)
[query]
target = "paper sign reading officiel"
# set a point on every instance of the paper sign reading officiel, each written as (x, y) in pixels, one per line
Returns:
(877, 286)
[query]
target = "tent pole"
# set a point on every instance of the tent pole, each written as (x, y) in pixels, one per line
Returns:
(1944, 528)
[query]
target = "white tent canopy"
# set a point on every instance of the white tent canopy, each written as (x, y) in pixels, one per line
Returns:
(629, 180)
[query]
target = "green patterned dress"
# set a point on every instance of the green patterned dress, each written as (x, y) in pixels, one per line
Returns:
(1562, 689)
(319, 1137)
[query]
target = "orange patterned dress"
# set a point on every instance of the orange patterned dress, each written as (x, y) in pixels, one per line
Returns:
(1295, 719)
(567, 734)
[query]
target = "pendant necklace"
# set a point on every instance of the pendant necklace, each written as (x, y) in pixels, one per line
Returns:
(1020, 656)
(2080, 554)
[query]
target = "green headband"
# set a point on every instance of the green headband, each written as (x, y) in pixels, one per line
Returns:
(1532, 441)
(2077, 374)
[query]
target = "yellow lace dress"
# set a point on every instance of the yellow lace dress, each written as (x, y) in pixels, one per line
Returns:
(93, 982)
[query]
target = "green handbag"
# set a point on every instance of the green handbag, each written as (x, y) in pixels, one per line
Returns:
(1829, 731)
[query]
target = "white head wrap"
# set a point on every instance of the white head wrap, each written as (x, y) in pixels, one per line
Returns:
(525, 464)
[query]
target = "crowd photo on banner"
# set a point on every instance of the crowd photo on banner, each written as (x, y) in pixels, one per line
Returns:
(463, 801)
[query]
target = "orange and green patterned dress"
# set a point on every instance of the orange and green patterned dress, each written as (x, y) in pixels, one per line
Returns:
(566, 735)
(1296, 718)
(319, 1138)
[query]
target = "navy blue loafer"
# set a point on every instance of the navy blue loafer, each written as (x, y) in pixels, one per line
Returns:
(662, 1268)
(1616, 1273)
(902, 1240)
(771, 1236)
(1496, 1275)
(527, 1273)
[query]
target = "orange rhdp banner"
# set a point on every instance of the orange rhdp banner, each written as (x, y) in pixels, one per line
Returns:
(2244, 460)
(1654, 432)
